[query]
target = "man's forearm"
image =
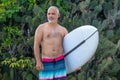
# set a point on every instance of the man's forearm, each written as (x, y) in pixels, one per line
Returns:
(37, 54)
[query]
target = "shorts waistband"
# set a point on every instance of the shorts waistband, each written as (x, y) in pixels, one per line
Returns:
(47, 59)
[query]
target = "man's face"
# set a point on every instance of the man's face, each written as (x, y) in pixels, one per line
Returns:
(52, 15)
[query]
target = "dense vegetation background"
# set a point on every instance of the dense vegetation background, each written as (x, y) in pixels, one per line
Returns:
(20, 18)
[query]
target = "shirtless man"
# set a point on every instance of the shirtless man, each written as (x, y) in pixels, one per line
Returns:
(50, 36)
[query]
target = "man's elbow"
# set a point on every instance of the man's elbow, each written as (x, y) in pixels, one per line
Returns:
(36, 46)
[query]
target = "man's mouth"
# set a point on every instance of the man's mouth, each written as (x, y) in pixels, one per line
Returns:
(51, 19)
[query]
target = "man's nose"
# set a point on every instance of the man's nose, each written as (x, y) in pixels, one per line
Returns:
(51, 15)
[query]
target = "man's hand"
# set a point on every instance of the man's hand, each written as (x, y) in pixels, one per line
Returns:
(39, 66)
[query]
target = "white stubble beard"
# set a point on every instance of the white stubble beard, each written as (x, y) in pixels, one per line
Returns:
(51, 20)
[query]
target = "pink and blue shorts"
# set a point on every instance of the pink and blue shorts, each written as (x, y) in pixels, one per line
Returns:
(54, 69)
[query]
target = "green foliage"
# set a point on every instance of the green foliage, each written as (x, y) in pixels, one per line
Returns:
(13, 33)
(8, 9)
(14, 62)
(20, 64)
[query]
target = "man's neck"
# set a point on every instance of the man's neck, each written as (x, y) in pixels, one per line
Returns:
(52, 23)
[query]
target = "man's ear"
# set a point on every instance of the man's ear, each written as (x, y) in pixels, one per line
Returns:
(58, 15)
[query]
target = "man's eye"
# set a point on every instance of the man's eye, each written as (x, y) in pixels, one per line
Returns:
(53, 13)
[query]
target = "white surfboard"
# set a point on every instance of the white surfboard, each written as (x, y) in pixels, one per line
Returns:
(79, 46)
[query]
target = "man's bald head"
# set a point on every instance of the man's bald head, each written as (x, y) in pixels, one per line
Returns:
(54, 7)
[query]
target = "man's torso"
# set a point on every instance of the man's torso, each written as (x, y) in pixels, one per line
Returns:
(52, 41)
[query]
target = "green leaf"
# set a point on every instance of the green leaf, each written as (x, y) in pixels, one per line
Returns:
(38, 11)
(107, 6)
(109, 33)
(81, 76)
(115, 68)
(6, 76)
(107, 78)
(29, 77)
(105, 64)
(95, 23)
(98, 9)
(89, 78)
(105, 24)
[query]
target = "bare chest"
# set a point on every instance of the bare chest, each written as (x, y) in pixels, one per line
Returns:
(52, 33)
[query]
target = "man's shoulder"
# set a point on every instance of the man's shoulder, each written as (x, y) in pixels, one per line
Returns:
(41, 26)
(62, 27)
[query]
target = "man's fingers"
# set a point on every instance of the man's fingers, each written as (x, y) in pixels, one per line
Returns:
(39, 67)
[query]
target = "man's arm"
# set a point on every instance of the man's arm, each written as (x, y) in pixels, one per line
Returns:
(65, 31)
(37, 42)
